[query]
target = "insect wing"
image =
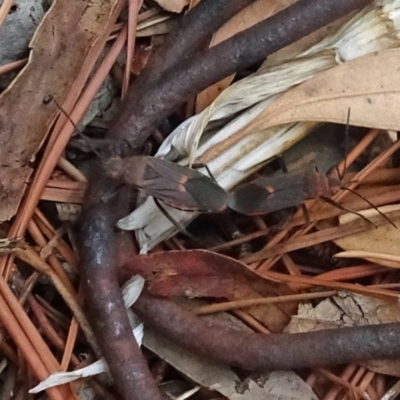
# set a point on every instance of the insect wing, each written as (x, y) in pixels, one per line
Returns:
(268, 194)
(182, 187)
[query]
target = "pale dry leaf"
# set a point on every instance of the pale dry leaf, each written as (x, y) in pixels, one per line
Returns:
(349, 309)
(384, 239)
(175, 6)
(68, 35)
(161, 25)
(369, 86)
(249, 16)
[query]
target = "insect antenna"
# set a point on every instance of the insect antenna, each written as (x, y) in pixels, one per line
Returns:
(345, 167)
(77, 130)
(341, 173)
(176, 223)
(372, 205)
(337, 205)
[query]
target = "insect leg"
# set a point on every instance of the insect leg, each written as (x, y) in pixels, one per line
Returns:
(177, 224)
(306, 213)
(87, 140)
(341, 173)
(201, 165)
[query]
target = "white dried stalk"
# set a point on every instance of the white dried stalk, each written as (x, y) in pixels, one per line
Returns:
(375, 28)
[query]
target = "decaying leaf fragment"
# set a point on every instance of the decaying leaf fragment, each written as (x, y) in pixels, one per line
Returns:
(202, 273)
(384, 239)
(67, 37)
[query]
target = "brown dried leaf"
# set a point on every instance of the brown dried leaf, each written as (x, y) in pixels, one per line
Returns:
(249, 16)
(69, 34)
(175, 6)
(384, 239)
(369, 86)
(202, 273)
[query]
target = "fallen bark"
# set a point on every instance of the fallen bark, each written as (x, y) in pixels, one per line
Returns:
(149, 101)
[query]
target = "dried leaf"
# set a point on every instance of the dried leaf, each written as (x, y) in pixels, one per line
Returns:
(368, 86)
(384, 239)
(349, 309)
(249, 16)
(202, 273)
(68, 35)
(173, 5)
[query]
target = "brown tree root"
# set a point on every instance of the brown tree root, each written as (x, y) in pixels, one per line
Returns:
(260, 352)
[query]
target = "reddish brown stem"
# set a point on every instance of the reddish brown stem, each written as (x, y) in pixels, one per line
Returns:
(256, 351)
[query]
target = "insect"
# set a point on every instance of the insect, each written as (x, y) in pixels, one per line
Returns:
(187, 189)
(179, 187)
(282, 190)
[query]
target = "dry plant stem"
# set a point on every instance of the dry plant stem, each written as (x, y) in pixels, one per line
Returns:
(5, 9)
(304, 282)
(336, 380)
(232, 305)
(356, 272)
(369, 254)
(41, 365)
(311, 239)
(254, 351)
(346, 375)
(4, 69)
(146, 105)
(46, 326)
(67, 292)
(133, 10)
